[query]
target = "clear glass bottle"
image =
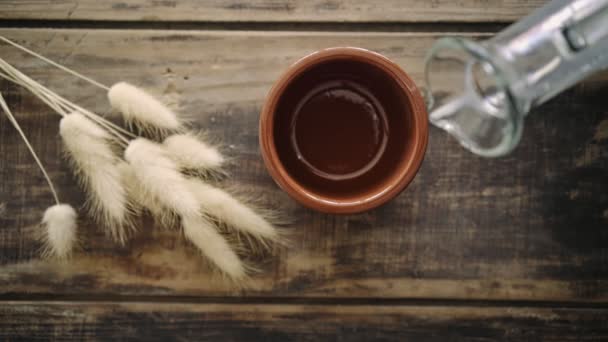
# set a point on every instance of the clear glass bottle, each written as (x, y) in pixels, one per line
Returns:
(480, 91)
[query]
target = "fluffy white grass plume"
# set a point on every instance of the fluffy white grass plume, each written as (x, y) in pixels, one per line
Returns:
(135, 190)
(160, 181)
(192, 153)
(59, 237)
(159, 177)
(95, 163)
(140, 199)
(212, 244)
(228, 210)
(142, 110)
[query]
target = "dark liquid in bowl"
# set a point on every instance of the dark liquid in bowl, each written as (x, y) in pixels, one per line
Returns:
(342, 129)
(339, 130)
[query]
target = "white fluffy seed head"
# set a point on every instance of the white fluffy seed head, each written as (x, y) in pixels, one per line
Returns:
(190, 152)
(134, 190)
(142, 110)
(77, 123)
(211, 243)
(140, 198)
(59, 222)
(232, 212)
(160, 178)
(89, 148)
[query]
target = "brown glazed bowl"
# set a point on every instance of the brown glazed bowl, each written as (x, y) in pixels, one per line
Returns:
(343, 130)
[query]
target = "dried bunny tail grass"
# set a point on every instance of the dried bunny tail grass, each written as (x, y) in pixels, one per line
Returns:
(212, 244)
(89, 149)
(190, 152)
(59, 237)
(134, 189)
(142, 110)
(228, 210)
(141, 200)
(159, 177)
(78, 121)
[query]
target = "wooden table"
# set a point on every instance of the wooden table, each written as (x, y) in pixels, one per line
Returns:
(480, 249)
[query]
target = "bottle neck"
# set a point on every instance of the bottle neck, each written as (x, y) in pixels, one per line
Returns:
(551, 50)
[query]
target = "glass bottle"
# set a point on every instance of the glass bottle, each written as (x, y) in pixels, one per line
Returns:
(480, 92)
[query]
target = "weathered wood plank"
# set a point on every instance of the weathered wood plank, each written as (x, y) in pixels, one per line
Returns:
(247, 322)
(272, 10)
(530, 226)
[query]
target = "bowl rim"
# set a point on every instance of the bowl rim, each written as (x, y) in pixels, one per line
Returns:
(397, 184)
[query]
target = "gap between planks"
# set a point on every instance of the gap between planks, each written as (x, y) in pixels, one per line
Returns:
(418, 27)
(427, 302)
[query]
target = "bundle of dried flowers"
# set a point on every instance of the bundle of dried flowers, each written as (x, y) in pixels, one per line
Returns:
(122, 173)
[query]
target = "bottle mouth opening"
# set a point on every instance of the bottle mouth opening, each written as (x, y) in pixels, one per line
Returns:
(468, 97)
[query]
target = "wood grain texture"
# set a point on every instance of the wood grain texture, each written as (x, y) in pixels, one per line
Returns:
(271, 10)
(228, 322)
(531, 226)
